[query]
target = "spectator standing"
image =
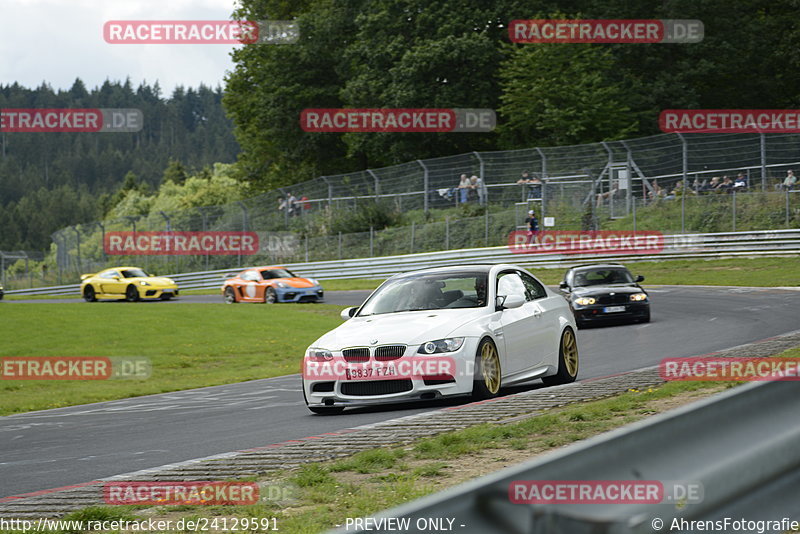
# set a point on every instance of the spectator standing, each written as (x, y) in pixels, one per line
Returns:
(463, 189)
(532, 222)
(480, 188)
(291, 205)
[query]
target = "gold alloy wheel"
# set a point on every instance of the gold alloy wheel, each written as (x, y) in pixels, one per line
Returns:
(569, 350)
(490, 367)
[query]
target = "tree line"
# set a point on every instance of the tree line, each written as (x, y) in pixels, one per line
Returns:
(52, 180)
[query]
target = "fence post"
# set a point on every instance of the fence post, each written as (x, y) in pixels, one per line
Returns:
(78, 259)
(245, 219)
(413, 231)
(763, 140)
(685, 165)
(330, 190)
(340, 245)
(377, 183)
(486, 227)
(633, 206)
(733, 210)
(306, 248)
(3, 267)
(447, 233)
(787, 207)
(371, 242)
(425, 184)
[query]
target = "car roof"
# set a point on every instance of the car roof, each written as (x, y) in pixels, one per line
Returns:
(474, 267)
(597, 266)
(263, 268)
(120, 268)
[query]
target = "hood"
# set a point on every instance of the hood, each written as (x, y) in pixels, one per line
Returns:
(154, 280)
(296, 282)
(627, 289)
(408, 328)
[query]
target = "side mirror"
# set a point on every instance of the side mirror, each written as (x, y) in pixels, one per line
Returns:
(506, 302)
(347, 313)
(563, 285)
(640, 278)
(117, 278)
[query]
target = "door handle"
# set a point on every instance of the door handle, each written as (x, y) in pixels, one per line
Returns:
(537, 313)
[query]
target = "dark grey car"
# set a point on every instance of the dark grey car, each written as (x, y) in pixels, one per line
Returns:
(605, 293)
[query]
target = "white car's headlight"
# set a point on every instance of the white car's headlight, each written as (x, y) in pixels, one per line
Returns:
(450, 344)
(638, 297)
(585, 301)
(143, 283)
(319, 355)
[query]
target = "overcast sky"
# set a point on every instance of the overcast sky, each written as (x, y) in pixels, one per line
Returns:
(56, 41)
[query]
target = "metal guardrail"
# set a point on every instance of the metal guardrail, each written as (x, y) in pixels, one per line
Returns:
(740, 446)
(682, 246)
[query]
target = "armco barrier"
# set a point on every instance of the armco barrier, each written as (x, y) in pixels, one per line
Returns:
(682, 246)
(740, 446)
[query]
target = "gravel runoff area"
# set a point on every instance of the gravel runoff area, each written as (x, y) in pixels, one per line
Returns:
(401, 431)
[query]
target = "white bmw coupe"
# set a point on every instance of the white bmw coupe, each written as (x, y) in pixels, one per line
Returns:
(460, 330)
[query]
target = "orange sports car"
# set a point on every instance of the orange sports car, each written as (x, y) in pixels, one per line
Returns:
(270, 285)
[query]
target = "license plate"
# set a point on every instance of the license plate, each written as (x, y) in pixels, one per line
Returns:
(613, 309)
(359, 373)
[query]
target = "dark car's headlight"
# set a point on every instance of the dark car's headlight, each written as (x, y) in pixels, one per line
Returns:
(638, 297)
(450, 344)
(585, 301)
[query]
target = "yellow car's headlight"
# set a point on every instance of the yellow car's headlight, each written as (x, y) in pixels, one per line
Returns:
(638, 297)
(143, 283)
(585, 301)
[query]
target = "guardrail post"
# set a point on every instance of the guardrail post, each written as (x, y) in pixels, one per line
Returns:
(425, 179)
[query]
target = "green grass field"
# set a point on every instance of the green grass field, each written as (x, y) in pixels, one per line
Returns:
(189, 345)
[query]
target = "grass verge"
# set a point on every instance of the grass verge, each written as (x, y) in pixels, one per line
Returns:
(189, 345)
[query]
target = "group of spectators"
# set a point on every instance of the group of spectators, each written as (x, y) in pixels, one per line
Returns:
(293, 206)
(725, 184)
(469, 188)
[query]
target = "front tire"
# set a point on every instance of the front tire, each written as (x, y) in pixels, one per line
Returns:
(89, 294)
(488, 375)
(270, 296)
(567, 360)
(132, 294)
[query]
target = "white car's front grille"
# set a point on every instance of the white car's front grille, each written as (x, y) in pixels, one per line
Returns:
(389, 352)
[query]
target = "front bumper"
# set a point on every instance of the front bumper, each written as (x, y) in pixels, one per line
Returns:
(598, 313)
(150, 292)
(296, 294)
(326, 392)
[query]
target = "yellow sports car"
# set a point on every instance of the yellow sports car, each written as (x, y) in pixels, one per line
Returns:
(129, 283)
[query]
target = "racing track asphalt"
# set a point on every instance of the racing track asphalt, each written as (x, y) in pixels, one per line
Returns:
(64, 446)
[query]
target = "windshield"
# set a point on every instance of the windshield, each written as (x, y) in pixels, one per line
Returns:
(133, 273)
(605, 276)
(269, 274)
(430, 291)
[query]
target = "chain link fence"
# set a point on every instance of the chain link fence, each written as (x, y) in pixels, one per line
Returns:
(631, 184)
